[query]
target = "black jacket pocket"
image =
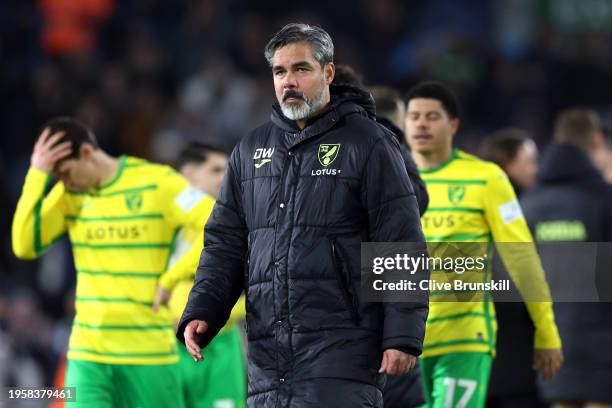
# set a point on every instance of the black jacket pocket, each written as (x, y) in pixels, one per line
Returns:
(344, 282)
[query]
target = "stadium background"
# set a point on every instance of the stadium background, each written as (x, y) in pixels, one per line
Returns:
(149, 75)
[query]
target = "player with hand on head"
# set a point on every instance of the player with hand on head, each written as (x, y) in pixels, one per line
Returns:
(121, 216)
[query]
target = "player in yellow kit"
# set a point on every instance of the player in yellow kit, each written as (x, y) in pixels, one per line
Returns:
(220, 381)
(121, 216)
(470, 201)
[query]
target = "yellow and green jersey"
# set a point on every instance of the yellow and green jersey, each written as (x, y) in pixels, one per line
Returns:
(179, 279)
(471, 200)
(122, 235)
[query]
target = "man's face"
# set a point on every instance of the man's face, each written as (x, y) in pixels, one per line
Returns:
(77, 174)
(429, 129)
(524, 168)
(208, 176)
(300, 83)
(599, 153)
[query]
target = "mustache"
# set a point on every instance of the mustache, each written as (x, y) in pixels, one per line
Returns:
(293, 94)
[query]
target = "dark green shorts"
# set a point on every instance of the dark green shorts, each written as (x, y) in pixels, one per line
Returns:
(456, 380)
(101, 385)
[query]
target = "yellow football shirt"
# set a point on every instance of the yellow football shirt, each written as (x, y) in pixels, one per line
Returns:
(122, 235)
(179, 278)
(471, 200)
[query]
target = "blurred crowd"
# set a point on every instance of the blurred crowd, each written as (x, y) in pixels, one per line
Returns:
(150, 76)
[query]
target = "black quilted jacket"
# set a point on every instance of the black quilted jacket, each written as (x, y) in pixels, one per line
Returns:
(287, 227)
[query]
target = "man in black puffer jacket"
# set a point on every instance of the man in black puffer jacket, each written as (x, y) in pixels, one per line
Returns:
(571, 202)
(300, 195)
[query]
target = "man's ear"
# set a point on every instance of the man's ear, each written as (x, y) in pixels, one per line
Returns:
(187, 170)
(86, 151)
(598, 140)
(455, 125)
(329, 71)
(598, 151)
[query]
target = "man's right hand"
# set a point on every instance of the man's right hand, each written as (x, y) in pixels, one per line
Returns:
(193, 335)
(548, 362)
(46, 153)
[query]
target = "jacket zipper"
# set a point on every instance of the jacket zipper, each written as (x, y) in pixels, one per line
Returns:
(286, 164)
(346, 295)
(283, 205)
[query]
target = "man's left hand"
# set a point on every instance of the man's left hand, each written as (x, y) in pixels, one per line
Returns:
(161, 298)
(395, 362)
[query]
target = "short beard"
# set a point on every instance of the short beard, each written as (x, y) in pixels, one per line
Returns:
(302, 110)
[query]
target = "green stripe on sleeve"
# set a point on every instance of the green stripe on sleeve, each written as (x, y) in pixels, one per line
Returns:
(38, 246)
(122, 327)
(53, 241)
(172, 247)
(37, 232)
(114, 300)
(120, 274)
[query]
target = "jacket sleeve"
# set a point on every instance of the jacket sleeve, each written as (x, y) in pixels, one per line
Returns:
(238, 312)
(39, 220)
(393, 216)
(418, 185)
(219, 279)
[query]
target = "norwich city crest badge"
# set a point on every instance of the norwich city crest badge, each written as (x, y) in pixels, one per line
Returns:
(133, 201)
(456, 194)
(328, 153)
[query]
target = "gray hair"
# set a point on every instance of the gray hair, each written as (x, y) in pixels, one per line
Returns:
(316, 37)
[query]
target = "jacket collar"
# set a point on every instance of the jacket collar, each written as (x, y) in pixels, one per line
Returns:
(345, 100)
(399, 133)
(565, 163)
